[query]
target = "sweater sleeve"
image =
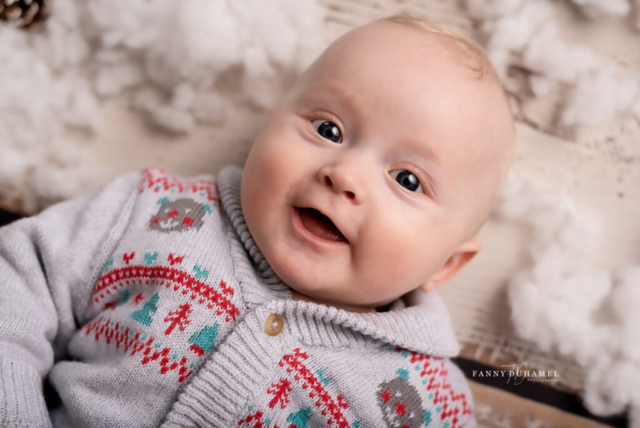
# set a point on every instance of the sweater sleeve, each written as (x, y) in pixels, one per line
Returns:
(48, 264)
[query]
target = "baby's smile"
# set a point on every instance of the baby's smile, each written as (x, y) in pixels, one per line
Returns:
(318, 224)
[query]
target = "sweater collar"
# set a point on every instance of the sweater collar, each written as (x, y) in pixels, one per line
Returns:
(422, 326)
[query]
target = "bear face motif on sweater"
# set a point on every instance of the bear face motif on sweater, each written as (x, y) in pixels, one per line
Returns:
(400, 404)
(177, 216)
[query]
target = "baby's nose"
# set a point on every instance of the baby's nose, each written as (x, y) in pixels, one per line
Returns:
(342, 181)
(348, 193)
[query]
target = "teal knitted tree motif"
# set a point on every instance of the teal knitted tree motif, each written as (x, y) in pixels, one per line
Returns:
(143, 315)
(202, 341)
(300, 419)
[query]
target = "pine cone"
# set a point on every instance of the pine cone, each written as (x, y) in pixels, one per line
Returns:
(24, 13)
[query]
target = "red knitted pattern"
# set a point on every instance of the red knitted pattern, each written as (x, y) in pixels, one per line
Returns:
(172, 278)
(174, 259)
(280, 392)
(453, 404)
(129, 340)
(293, 363)
(178, 318)
(128, 257)
(137, 299)
(157, 179)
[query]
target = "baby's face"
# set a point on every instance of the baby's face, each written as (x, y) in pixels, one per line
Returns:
(366, 179)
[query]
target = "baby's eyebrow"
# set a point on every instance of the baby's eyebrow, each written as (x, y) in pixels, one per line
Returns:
(334, 90)
(421, 149)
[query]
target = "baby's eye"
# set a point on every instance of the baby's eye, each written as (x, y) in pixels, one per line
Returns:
(328, 130)
(407, 180)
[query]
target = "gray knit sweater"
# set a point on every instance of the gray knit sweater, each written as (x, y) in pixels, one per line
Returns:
(148, 303)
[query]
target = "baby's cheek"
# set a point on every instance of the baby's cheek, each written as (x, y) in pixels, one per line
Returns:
(277, 161)
(405, 252)
(390, 255)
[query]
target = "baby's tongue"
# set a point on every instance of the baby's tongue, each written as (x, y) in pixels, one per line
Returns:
(320, 225)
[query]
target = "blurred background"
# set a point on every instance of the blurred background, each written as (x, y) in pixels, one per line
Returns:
(93, 88)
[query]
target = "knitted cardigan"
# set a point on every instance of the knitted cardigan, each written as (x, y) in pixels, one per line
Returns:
(148, 303)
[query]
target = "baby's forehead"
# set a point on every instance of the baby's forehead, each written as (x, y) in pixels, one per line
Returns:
(389, 66)
(396, 70)
(405, 44)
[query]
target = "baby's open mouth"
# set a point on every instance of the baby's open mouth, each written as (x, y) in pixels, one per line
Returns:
(320, 225)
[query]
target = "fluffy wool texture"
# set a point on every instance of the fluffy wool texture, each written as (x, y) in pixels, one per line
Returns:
(183, 63)
(562, 303)
(529, 31)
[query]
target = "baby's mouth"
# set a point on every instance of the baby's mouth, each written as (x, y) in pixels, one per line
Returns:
(320, 225)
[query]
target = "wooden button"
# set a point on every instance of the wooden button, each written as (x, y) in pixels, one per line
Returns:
(274, 324)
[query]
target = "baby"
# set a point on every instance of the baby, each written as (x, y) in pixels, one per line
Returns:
(270, 297)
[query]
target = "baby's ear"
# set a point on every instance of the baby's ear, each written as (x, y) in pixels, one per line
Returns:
(461, 257)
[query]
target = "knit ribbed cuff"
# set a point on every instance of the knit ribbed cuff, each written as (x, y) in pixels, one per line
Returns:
(21, 400)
